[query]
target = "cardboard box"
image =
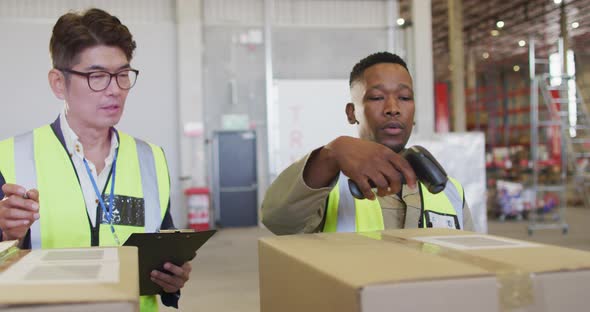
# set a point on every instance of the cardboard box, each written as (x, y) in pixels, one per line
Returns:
(419, 270)
(82, 279)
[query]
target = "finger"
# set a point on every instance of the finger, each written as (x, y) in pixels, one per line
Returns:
(18, 202)
(187, 267)
(15, 224)
(170, 280)
(391, 179)
(365, 187)
(177, 280)
(167, 287)
(394, 178)
(381, 183)
(20, 214)
(13, 189)
(384, 191)
(14, 233)
(395, 181)
(176, 270)
(33, 194)
(403, 166)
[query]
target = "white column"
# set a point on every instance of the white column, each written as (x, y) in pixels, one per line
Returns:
(392, 34)
(471, 81)
(190, 93)
(424, 70)
(267, 157)
(456, 56)
(565, 37)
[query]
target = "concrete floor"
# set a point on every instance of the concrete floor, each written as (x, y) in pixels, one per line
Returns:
(225, 271)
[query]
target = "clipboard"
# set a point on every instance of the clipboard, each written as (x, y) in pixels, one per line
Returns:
(155, 249)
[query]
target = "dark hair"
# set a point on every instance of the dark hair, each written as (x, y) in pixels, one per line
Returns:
(75, 32)
(373, 59)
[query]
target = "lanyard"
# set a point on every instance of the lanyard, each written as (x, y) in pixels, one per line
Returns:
(107, 214)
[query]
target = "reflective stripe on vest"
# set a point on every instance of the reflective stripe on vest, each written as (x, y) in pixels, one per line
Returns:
(449, 202)
(149, 184)
(26, 175)
(454, 193)
(342, 214)
(346, 211)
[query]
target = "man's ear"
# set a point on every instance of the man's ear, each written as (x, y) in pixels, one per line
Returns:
(350, 114)
(57, 82)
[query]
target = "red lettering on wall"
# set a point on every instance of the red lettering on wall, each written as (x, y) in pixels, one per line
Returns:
(296, 138)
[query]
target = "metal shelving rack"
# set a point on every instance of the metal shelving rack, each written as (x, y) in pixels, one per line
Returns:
(563, 110)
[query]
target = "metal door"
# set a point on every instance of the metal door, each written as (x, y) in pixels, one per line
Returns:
(235, 179)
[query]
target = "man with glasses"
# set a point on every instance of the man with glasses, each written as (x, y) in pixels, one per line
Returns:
(79, 182)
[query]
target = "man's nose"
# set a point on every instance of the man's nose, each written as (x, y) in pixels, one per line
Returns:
(392, 107)
(113, 88)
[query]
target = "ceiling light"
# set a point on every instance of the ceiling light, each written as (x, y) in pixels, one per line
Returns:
(557, 1)
(500, 24)
(485, 55)
(521, 43)
(575, 25)
(515, 68)
(494, 33)
(401, 21)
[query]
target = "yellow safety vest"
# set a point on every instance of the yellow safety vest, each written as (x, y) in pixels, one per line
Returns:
(37, 159)
(345, 213)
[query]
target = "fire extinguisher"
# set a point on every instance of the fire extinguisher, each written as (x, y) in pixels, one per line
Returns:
(197, 199)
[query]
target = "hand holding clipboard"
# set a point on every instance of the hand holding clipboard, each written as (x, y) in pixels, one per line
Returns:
(155, 249)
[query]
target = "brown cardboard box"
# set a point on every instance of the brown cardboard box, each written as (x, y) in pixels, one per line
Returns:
(48, 281)
(394, 271)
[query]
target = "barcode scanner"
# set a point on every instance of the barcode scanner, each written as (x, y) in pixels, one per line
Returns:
(428, 171)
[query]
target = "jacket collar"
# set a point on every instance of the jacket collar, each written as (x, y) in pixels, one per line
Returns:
(56, 127)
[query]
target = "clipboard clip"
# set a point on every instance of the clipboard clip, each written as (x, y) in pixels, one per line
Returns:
(177, 231)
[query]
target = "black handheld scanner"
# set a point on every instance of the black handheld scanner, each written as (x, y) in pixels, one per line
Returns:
(428, 171)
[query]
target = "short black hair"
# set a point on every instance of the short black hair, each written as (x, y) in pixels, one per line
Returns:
(373, 59)
(75, 31)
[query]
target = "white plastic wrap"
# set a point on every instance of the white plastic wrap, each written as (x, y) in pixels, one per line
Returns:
(462, 155)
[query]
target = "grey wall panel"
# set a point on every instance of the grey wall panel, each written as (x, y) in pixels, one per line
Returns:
(332, 13)
(129, 11)
(307, 53)
(226, 60)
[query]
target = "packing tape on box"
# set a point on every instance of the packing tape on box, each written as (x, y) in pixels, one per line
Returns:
(515, 285)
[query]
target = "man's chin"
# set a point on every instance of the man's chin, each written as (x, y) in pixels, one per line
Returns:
(109, 123)
(394, 146)
(397, 148)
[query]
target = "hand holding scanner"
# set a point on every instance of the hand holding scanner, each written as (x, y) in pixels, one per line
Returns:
(428, 171)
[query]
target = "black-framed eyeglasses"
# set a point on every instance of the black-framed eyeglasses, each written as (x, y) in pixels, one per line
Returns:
(100, 80)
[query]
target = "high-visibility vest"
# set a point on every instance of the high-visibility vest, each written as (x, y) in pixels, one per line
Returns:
(38, 159)
(345, 213)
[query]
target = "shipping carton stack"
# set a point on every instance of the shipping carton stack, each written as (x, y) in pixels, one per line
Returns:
(419, 270)
(84, 279)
